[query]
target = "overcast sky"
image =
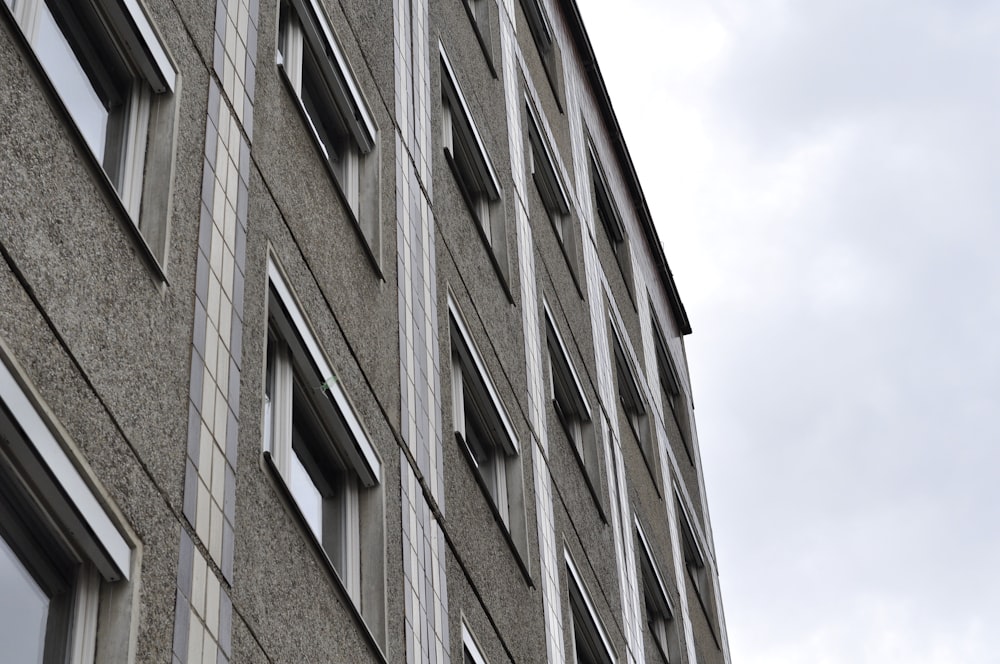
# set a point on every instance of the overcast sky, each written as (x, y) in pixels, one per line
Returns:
(825, 177)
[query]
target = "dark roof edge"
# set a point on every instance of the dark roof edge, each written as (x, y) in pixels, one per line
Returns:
(589, 61)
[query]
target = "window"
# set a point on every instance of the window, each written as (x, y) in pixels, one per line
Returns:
(660, 624)
(633, 404)
(481, 13)
(466, 155)
(64, 564)
(590, 641)
(315, 68)
(116, 83)
(548, 49)
(571, 406)
(670, 389)
(694, 561)
(322, 455)
(471, 653)
(485, 433)
(551, 190)
(611, 220)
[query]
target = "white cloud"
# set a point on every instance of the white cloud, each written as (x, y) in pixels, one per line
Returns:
(824, 177)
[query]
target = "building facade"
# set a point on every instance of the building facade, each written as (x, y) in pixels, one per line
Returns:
(336, 331)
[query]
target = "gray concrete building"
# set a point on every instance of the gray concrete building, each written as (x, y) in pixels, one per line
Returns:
(336, 331)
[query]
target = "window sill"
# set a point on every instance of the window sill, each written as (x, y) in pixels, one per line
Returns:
(290, 505)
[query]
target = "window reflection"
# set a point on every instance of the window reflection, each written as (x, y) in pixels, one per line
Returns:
(23, 610)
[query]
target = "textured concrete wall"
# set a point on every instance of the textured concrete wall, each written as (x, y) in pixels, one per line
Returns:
(119, 342)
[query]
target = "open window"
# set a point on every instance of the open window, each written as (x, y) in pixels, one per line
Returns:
(331, 102)
(571, 407)
(548, 47)
(552, 192)
(466, 155)
(590, 639)
(672, 393)
(485, 19)
(661, 628)
(611, 220)
(116, 84)
(322, 456)
(65, 566)
(694, 563)
(485, 434)
(633, 404)
(471, 652)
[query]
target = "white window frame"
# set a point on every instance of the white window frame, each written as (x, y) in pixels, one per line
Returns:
(570, 402)
(138, 151)
(633, 401)
(308, 44)
(551, 189)
(39, 460)
(609, 216)
(548, 48)
(471, 382)
(470, 162)
(694, 559)
(472, 654)
(344, 444)
(662, 625)
(673, 395)
(584, 617)
(482, 14)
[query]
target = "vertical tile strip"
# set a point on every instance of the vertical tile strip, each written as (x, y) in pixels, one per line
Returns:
(203, 617)
(548, 553)
(421, 475)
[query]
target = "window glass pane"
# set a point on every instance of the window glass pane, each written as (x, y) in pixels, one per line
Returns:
(307, 496)
(71, 82)
(23, 610)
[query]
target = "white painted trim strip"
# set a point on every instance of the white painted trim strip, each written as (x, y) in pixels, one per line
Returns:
(63, 472)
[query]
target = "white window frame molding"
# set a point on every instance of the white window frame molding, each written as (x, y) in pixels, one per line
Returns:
(480, 187)
(365, 459)
(469, 372)
(580, 595)
(634, 402)
(676, 400)
(141, 152)
(583, 436)
(307, 26)
(471, 646)
(345, 442)
(77, 513)
(668, 643)
(540, 25)
(611, 220)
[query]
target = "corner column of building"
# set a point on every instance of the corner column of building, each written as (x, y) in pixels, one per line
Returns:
(203, 613)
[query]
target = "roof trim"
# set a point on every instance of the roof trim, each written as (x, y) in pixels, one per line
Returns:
(593, 71)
